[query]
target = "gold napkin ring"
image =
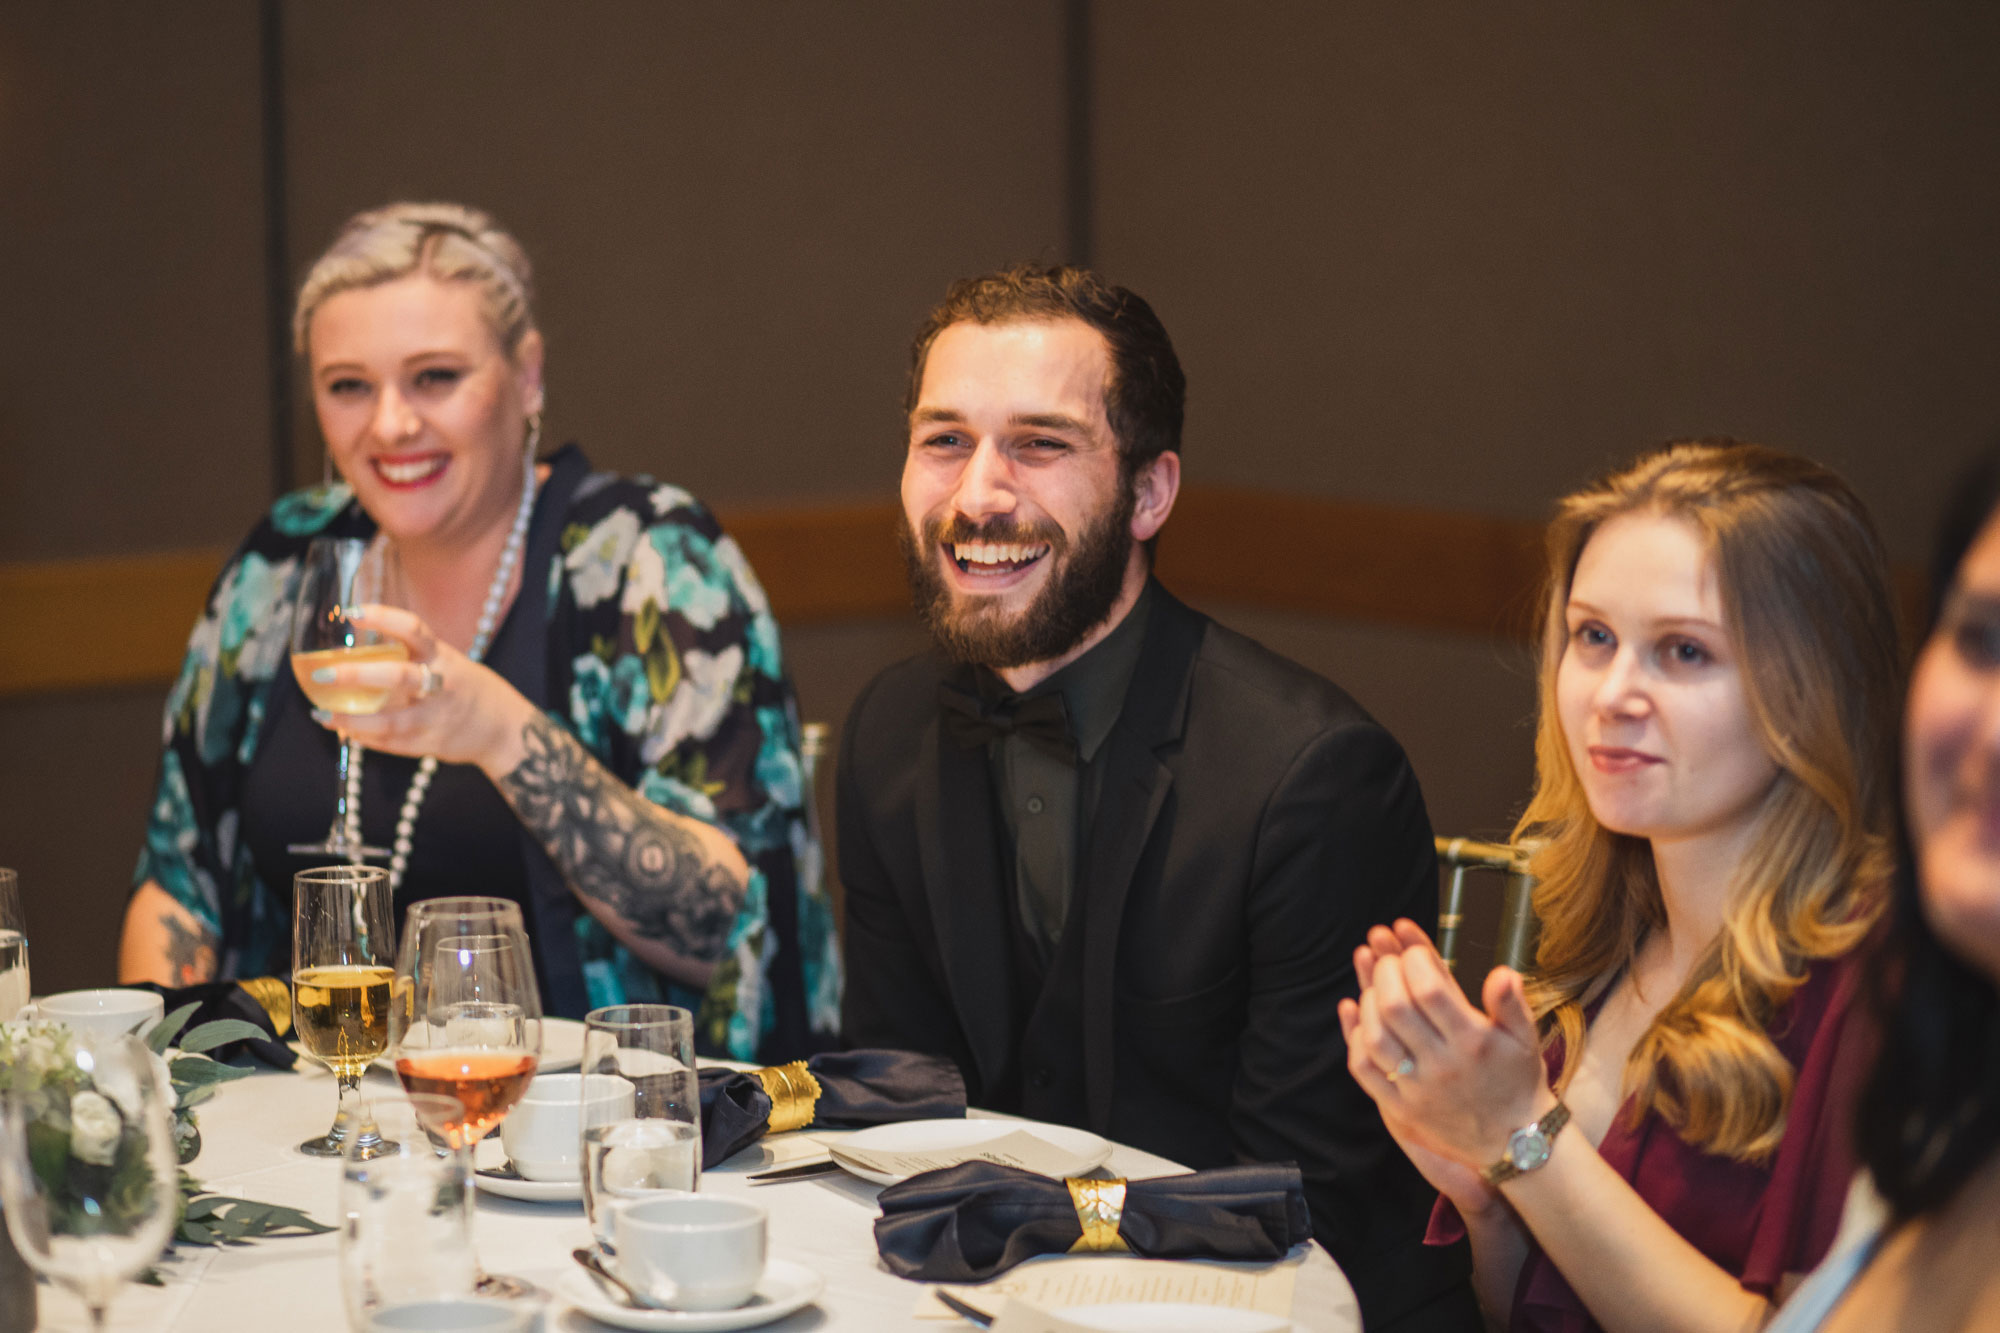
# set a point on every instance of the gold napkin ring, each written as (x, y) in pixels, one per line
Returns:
(274, 997)
(794, 1095)
(1099, 1206)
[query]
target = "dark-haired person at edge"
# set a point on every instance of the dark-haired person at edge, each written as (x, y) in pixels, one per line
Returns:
(1110, 857)
(622, 758)
(1652, 1132)
(1919, 1250)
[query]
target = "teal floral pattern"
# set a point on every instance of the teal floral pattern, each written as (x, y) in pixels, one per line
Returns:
(664, 662)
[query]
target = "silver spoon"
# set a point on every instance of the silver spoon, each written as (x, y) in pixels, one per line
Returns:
(620, 1289)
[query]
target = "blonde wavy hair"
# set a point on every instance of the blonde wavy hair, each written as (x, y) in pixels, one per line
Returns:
(450, 242)
(1806, 599)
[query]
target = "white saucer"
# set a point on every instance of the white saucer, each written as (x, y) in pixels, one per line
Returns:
(489, 1153)
(1170, 1317)
(533, 1191)
(1087, 1150)
(786, 1287)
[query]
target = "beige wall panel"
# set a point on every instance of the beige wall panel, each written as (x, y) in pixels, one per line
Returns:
(1464, 254)
(133, 400)
(739, 212)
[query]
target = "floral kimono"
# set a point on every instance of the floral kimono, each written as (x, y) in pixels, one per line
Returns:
(661, 657)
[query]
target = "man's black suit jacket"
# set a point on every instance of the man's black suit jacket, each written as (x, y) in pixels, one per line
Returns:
(1253, 823)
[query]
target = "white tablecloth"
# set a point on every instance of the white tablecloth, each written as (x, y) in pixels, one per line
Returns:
(290, 1285)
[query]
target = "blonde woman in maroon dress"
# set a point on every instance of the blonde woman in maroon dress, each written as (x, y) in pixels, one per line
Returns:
(1651, 1131)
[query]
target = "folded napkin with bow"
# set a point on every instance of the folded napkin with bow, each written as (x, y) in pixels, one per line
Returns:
(835, 1090)
(976, 1220)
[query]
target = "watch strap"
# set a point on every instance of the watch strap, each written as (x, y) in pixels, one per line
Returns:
(1545, 1129)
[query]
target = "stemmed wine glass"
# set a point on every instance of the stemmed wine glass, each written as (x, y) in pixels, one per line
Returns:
(343, 966)
(468, 1020)
(89, 1179)
(340, 574)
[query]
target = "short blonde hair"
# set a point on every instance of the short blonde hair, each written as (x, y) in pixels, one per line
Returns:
(449, 242)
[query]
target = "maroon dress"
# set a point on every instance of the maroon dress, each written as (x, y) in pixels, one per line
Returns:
(1757, 1222)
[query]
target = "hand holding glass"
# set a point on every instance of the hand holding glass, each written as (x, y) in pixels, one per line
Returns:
(342, 573)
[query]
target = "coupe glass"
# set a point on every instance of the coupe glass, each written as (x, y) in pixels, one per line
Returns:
(13, 947)
(342, 573)
(468, 1020)
(343, 967)
(88, 1176)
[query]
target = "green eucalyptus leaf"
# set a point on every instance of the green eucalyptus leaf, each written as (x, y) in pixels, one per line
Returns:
(198, 1071)
(164, 1031)
(220, 1032)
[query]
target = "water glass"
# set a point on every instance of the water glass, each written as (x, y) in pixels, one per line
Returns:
(653, 1143)
(406, 1234)
(13, 947)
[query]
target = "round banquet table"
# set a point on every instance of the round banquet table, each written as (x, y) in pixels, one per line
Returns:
(291, 1284)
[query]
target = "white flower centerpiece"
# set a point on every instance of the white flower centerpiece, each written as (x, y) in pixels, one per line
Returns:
(78, 1121)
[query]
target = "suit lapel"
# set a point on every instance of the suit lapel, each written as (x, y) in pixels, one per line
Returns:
(1136, 785)
(961, 868)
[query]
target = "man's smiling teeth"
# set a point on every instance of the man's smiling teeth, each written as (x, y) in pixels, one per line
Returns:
(989, 557)
(416, 469)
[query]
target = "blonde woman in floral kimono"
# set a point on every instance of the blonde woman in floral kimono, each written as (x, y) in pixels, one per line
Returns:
(621, 759)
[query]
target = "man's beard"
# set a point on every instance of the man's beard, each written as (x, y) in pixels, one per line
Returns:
(1083, 586)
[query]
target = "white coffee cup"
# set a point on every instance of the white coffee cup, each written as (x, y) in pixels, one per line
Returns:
(109, 1012)
(543, 1134)
(690, 1251)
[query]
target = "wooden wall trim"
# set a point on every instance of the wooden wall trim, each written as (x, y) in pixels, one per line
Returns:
(121, 621)
(99, 622)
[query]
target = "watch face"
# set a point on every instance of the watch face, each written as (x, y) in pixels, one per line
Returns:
(1527, 1149)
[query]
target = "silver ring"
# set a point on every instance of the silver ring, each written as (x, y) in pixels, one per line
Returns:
(427, 685)
(1404, 1068)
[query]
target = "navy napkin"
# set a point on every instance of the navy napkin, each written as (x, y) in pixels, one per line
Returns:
(976, 1220)
(228, 999)
(857, 1088)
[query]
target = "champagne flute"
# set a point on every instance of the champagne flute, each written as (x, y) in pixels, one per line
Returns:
(13, 947)
(341, 573)
(89, 1180)
(468, 1020)
(343, 968)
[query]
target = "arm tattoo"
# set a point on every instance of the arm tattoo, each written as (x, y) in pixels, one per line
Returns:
(619, 849)
(190, 951)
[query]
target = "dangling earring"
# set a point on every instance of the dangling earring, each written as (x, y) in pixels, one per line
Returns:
(534, 433)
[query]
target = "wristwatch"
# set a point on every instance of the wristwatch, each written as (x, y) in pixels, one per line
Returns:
(1528, 1146)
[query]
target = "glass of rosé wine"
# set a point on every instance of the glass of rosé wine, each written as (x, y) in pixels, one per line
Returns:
(467, 1021)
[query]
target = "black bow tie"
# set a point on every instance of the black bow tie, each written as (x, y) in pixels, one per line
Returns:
(1041, 720)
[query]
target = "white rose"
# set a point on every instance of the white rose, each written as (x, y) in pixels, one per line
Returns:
(94, 1127)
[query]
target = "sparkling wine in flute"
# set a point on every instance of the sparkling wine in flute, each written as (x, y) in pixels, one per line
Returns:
(342, 698)
(486, 1082)
(342, 1014)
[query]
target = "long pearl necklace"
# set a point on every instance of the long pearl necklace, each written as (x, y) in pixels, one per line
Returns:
(489, 616)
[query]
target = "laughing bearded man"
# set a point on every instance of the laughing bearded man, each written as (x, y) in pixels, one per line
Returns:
(1109, 856)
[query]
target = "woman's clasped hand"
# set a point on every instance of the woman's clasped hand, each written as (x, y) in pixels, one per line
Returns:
(1452, 1082)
